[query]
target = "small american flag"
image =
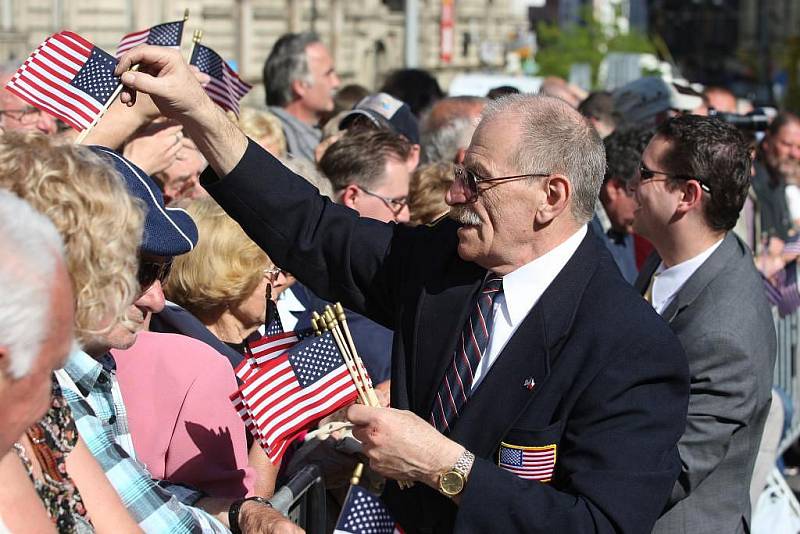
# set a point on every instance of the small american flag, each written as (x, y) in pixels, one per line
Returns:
(225, 87)
(166, 34)
(364, 513)
(531, 463)
(290, 393)
(274, 323)
(68, 77)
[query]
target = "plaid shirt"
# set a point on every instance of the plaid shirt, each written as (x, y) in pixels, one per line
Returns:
(154, 506)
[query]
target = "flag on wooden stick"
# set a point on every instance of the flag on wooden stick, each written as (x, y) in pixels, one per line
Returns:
(225, 88)
(167, 34)
(67, 77)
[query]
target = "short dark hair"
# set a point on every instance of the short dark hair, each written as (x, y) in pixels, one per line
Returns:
(502, 90)
(598, 105)
(416, 87)
(360, 157)
(624, 150)
(716, 153)
(286, 63)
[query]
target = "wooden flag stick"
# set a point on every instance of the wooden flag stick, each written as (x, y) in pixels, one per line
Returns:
(342, 319)
(82, 137)
(322, 323)
(198, 35)
(185, 14)
(357, 472)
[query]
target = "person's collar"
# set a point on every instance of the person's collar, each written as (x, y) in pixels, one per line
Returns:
(602, 216)
(84, 371)
(670, 280)
(523, 286)
(290, 302)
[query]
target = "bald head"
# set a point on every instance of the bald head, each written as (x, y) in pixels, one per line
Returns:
(448, 127)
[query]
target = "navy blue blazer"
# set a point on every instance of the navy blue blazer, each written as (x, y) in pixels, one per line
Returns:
(611, 380)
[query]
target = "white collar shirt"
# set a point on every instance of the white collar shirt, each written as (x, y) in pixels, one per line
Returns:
(668, 281)
(522, 289)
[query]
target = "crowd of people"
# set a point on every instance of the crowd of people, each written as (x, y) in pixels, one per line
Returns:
(563, 299)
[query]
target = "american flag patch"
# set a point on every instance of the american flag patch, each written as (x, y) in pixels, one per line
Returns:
(530, 463)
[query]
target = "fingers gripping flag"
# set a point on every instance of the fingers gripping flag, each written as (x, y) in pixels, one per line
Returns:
(68, 77)
(364, 513)
(166, 34)
(225, 88)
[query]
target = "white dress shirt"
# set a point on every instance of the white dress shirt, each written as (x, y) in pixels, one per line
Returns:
(522, 289)
(668, 281)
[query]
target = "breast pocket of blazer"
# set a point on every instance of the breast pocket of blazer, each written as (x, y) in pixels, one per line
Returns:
(531, 454)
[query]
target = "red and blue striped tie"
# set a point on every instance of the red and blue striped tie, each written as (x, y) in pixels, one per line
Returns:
(456, 386)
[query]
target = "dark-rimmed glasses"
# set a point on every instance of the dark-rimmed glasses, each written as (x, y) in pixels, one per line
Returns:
(150, 271)
(646, 174)
(395, 204)
(470, 179)
(26, 115)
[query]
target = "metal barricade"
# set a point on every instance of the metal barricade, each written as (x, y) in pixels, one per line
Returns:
(786, 375)
(302, 499)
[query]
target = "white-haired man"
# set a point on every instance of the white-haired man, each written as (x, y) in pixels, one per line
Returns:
(537, 392)
(36, 315)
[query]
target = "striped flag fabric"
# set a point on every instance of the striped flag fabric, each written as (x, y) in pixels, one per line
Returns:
(530, 463)
(67, 77)
(364, 513)
(225, 88)
(290, 393)
(167, 34)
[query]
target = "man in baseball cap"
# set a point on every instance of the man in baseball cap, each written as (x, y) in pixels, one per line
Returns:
(650, 101)
(383, 111)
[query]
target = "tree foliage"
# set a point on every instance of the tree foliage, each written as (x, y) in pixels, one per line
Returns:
(588, 41)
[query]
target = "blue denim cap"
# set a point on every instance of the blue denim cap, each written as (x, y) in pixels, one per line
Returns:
(167, 231)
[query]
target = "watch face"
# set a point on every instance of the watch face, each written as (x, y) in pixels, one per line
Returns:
(451, 483)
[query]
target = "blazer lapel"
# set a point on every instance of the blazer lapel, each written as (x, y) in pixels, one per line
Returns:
(443, 312)
(530, 353)
(724, 255)
(648, 268)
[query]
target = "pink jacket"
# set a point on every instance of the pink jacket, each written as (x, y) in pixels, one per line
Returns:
(183, 425)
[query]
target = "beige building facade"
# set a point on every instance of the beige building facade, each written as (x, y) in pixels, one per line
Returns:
(366, 37)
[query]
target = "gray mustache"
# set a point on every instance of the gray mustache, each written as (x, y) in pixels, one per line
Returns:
(464, 215)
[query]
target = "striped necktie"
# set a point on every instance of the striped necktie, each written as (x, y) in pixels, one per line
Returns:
(456, 385)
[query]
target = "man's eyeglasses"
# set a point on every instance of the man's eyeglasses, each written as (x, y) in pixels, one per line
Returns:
(273, 273)
(26, 115)
(150, 271)
(647, 174)
(395, 204)
(470, 180)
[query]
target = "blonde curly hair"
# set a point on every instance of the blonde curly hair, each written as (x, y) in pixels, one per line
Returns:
(224, 268)
(100, 223)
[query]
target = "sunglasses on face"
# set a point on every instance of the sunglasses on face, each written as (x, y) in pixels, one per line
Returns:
(150, 271)
(470, 180)
(647, 174)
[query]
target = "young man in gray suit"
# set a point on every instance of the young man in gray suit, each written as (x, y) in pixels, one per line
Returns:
(690, 187)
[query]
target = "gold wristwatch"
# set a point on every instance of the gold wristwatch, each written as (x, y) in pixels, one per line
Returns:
(451, 483)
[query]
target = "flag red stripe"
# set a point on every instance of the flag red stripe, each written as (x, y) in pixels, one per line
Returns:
(81, 107)
(35, 101)
(41, 94)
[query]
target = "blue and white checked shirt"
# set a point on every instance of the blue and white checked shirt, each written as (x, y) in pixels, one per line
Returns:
(87, 384)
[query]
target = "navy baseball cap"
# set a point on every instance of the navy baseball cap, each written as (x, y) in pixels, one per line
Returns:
(167, 231)
(385, 111)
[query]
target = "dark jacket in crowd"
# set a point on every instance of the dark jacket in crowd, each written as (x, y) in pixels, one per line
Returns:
(592, 369)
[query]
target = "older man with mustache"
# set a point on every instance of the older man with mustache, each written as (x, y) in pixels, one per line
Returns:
(533, 389)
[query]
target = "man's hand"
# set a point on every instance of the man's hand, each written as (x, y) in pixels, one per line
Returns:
(154, 151)
(166, 77)
(401, 445)
(175, 89)
(257, 518)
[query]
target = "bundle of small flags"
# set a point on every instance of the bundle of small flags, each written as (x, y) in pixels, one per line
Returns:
(291, 380)
(67, 77)
(224, 88)
(364, 513)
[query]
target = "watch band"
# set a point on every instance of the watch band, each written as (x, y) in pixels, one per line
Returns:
(233, 512)
(464, 463)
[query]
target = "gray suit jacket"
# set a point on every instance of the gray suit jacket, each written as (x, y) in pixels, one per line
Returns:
(724, 322)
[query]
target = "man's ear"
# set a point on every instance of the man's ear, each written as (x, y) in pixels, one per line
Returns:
(691, 197)
(349, 196)
(299, 87)
(558, 194)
